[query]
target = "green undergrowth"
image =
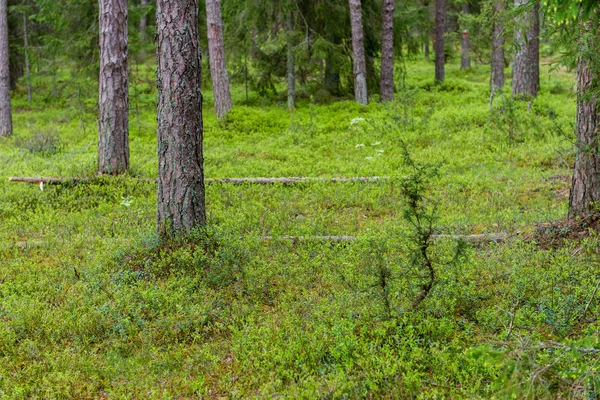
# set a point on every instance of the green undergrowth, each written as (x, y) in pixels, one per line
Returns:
(94, 305)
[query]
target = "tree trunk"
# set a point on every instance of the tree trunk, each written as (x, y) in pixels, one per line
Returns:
(387, 52)
(440, 27)
(27, 64)
(181, 205)
(113, 134)
(216, 49)
(497, 61)
(526, 67)
(585, 188)
(143, 20)
(291, 65)
(427, 48)
(143, 27)
(5, 107)
(358, 50)
(465, 62)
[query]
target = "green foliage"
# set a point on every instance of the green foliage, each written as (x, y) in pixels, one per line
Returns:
(94, 305)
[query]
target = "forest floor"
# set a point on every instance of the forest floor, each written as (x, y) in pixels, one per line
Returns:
(92, 305)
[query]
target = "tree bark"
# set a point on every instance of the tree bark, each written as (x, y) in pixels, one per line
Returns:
(387, 52)
(585, 188)
(5, 106)
(497, 61)
(113, 133)
(526, 67)
(216, 49)
(181, 204)
(465, 61)
(440, 27)
(291, 64)
(358, 51)
(27, 64)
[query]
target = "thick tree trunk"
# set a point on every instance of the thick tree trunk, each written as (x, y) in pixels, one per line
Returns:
(526, 67)
(497, 61)
(27, 64)
(113, 133)
(181, 204)
(5, 107)
(465, 61)
(387, 52)
(440, 27)
(291, 64)
(216, 49)
(358, 51)
(585, 188)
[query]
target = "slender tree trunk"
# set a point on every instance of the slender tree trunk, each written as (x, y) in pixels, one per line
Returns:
(440, 27)
(387, 52)
(5, 107)
(216, 48)
(27, 64)
(113, 134)
(427, 57)
(526, 67)
(181, 204)
(143, 27)
(291, 64)
(497, 61)
(358, 50)
(585, 188)
(465, 61)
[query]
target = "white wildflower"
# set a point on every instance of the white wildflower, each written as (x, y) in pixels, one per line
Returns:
(359, 145)
(355, 121)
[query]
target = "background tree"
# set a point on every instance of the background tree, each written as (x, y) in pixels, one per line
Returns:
(291, 62)
(358, 52)
(526, 67)
(465, 62)
(5, 106)
(113, 136)
(218, 68)
(440, 28)
(497, 58)
(387, 51)
(181, 203)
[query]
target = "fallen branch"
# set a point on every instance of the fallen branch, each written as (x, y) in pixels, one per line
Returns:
(481, 238)
(212, 181)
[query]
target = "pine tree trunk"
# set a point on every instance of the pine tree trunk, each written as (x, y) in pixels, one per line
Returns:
(585, 188)
(216, 49)
(358, 51)
(5, 107)
(387, 52)
(27, 64)
(497, 61)
(526, 67)
(113, 134)
(291, 65)
(440, 27)
(181, 204)
(465, 62)
(143, 21)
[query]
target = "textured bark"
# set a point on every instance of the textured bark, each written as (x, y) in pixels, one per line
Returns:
(291, 64)
(181, 204)
(440, 26)
(465, 61)
(5, 107)
(526, 67)
(216, 50)
(497, 61)
(27, 63)
(113, 133)
(387, 52)
(358, 51)
(585, 188)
